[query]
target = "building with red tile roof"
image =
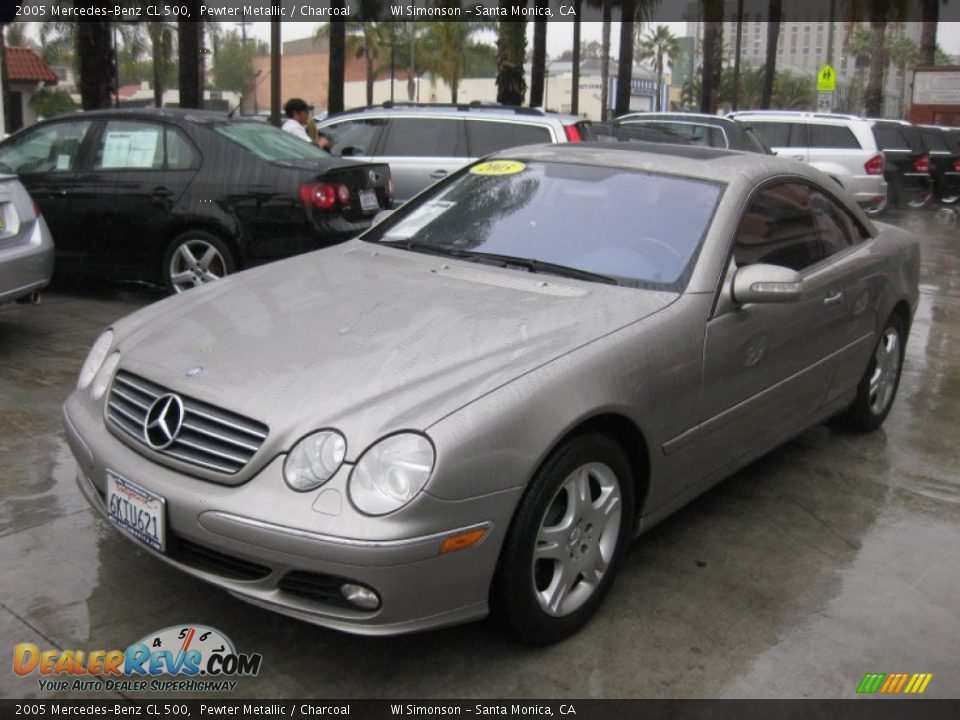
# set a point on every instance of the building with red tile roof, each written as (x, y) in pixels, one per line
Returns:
(26, 73)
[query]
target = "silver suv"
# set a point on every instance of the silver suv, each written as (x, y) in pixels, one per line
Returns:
(425, 143)
(842, 146)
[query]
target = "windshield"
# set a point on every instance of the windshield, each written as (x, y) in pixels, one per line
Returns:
(640, 228)
(268, 142)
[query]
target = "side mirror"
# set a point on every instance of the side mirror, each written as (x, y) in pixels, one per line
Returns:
(351, 151)
(766, 284)
(381, 216)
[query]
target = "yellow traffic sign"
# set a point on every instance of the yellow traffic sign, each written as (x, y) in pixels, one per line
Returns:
(826, 79)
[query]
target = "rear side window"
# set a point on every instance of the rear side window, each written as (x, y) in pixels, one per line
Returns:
(425, 137)
(356, 137)
(935, 141)
(133, 145)
(51, 148)
(780, 134)
(890, 138)
(487, 137)
(838, 230)
(779, 229)
(832, 136)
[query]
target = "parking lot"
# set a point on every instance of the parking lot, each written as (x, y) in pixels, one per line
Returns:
(835, 556)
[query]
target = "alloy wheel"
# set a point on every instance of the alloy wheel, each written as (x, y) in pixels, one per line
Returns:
(195, 262)
(883, 380)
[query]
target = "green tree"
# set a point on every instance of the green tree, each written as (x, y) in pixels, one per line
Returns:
(905, 54)
(446, 54)
(233, 64)
(50, 102)
(16, 35)
(859, 45)
(658, 45)
(794, 92)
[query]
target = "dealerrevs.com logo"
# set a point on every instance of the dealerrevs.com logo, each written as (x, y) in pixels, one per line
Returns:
(182, 658)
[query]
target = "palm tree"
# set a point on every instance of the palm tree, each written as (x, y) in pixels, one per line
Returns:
(57, 40)
(793, 92)
(95, 52)
(775, 13)
(538, 66)
(161, 45)
(511, 50)
(905, 54)
(16, 35)
(190, 36)
(859, 45)
(930, 15)
(447, 41)
(879, 14)
(621, 102)
(657, 45)
(337, 66)
(575, 79)
(712, 55)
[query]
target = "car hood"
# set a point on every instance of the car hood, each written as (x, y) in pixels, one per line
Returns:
(366, 339)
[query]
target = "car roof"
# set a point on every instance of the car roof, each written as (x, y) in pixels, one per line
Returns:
(689, 117)
(475, 108)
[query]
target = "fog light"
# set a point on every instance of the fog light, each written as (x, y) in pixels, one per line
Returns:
(361, 596)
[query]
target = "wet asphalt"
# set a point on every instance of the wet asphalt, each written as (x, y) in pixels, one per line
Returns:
(835, 556)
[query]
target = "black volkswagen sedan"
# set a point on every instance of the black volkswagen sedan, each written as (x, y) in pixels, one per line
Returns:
(184, 197)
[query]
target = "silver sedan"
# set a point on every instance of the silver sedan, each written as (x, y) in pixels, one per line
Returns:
(26, 248)
(480, 402)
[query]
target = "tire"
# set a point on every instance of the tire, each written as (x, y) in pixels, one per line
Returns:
(878, 209)
(918, 202)
(878, 387)
(194, 258)
(561, 553)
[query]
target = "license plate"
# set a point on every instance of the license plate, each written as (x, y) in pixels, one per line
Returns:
(368, 200)
(136, 511)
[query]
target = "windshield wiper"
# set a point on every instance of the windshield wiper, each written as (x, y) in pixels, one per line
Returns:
(529, 264)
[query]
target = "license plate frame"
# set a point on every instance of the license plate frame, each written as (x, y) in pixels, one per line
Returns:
(368, 200)
(136, 511)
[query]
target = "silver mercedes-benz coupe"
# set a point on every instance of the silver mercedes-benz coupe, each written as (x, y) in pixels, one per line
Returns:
(478, 404)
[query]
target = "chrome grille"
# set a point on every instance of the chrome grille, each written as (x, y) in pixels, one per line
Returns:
(209, 437)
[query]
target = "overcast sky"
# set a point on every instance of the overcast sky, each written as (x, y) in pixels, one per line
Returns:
(560, 34)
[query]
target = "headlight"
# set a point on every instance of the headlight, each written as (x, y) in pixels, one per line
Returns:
(314, 460)
(102, 378)
(98, 353)
(391, 473)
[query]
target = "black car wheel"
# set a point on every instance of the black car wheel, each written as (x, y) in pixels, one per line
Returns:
(919, 200)
(566, 542)
(876, 209)
(878, 387)
(194, 258)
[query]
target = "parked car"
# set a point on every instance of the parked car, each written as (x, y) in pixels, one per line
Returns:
(944, 147)
(906, 162)
(842, 146)
(183, 196)
(26, 248)
(482, 400)
(683, 129)
(425, 143)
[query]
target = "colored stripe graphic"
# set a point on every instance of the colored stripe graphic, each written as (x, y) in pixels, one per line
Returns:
(870, 683)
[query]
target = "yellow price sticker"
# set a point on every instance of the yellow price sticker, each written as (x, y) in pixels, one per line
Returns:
(498, 167)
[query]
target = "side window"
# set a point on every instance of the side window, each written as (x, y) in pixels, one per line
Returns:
(780, 134)
(832, 136)
(180, 154)
(838, 230)
(935, 140)
(779, 229)
(51, 148)
(486, 137)
(889, 138)
(130, 145)
(357, 136)
(425, 137)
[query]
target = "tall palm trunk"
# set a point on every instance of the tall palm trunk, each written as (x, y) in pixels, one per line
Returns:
(337, 64)
(873, 98)
(775, 11)
(625, 60)
(605, 60)
(191, 91)
(712, 55)
(95, 51)
(928, 32)
(511, 48)
(538, 68)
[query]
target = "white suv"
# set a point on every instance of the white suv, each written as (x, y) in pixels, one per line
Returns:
(842, 146)
(425, 143)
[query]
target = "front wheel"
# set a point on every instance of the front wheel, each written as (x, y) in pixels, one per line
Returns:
(878, 387)
(194, 258)
(566, 542)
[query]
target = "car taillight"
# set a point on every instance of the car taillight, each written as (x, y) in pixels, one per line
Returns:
(319, 195)
(573, 133)
(37, 214)
(874, 166)
(922, 164)
(956, 164)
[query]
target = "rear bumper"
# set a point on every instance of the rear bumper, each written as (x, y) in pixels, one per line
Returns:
(26, 267)
(866, 189)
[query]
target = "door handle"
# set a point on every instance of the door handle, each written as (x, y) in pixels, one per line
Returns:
(161, 193)
(833, 299)
(437, 174)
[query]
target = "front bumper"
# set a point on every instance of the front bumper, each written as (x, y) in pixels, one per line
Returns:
(272, 547)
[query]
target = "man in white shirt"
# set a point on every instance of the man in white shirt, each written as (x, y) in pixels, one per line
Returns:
(298, 115)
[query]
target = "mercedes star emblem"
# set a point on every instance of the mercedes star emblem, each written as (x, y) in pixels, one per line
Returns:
(194, 372)
(163, 421)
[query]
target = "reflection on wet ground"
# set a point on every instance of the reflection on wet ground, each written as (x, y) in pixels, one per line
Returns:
(837, 555)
